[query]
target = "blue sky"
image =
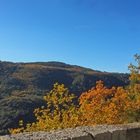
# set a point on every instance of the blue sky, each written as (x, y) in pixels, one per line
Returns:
(99, 34)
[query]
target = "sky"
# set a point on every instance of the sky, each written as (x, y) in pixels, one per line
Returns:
(99, 34)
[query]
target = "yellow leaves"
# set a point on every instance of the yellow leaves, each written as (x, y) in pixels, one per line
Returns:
(59, 113)
(17, 130)
(21, 123)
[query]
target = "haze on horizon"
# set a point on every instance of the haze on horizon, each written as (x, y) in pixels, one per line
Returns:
(99, 34)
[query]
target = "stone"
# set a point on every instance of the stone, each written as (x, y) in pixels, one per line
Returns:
(100, 132)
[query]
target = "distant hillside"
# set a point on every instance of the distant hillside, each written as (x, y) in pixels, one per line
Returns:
(22, 86)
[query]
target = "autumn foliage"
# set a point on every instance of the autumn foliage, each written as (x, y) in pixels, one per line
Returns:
(100, 105)
(61, 112)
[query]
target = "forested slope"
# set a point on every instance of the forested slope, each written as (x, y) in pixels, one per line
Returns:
(22, 86)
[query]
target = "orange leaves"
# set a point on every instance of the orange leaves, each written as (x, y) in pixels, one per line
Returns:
(104, 105)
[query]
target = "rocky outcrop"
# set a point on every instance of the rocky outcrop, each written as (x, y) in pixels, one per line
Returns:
(100, 132)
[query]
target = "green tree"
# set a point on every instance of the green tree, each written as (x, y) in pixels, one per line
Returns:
(134, 87)
(135, 71)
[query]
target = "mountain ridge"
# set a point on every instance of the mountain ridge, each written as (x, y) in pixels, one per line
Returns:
(60, 64)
